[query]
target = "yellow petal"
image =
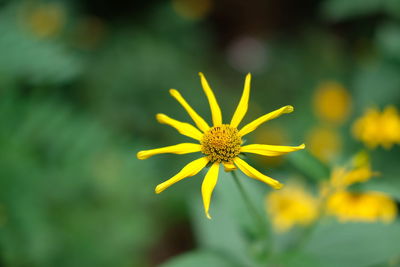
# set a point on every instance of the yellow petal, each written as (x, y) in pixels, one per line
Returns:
(229, 166)
(199, 121)
(272, 115)
(243, 104)
(190, 169)
(269, 150)
(183, 148)
(253, 173)
(182, 127)
(215, 110)
(208, 186)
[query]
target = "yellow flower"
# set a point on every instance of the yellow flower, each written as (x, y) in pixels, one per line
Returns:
(361, 207)
(46, 20)
(192, 9)
(332, 102)
(324, 142)
(291, 206)
(376, 128)
(356, 207)
(219, 143)
(342, 177)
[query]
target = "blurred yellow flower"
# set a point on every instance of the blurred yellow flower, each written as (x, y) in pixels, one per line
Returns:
(342, 177)
(192, 9)
(291, 206)
(356, 206)
(45, 20)
(220, 143)
(361, 207)
(332, 102)
(376, 128)
(324, 142)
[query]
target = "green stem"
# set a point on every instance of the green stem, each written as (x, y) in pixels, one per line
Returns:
(259, 221)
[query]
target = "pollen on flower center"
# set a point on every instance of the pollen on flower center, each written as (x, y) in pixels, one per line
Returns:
(221, 143)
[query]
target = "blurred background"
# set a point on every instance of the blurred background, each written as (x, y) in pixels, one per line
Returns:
(81, 82)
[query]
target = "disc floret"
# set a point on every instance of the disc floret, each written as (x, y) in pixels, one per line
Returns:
(221, 143)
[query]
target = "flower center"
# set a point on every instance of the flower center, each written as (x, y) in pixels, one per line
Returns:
(221, 143)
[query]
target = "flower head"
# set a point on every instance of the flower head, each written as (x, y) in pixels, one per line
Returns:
(350, 206)
(332, 102)
(291, 206)
(361, 207)
(358, 171)
(324, 142)
(220, 143)
(192, 9)
(45, 20)
(376, 128)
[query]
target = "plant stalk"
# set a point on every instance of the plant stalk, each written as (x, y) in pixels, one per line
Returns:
(261, 227)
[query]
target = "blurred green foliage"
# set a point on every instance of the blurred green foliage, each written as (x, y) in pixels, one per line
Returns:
(66, 190)
(78, 99)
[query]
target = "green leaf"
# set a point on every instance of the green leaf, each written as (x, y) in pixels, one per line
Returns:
(354, 244)
(342, 9)
(199, 258)
(299, 259)
(388, 39)
(309, 165)
(391, 188)
(228, 230)
(392, 7)
(376, 83)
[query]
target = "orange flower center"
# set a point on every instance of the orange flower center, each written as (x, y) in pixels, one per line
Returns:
(221, 143)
